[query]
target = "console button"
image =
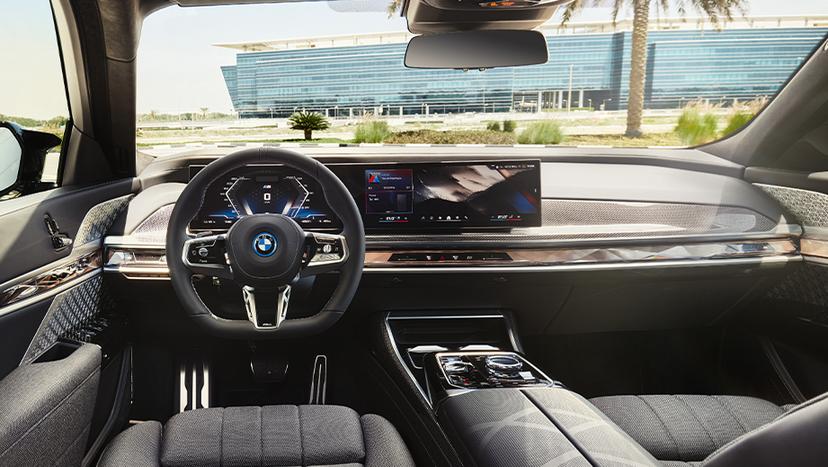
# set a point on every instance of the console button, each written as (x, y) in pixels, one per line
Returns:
(458, 367)
(504, 364)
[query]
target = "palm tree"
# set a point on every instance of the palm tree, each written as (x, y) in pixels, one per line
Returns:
(308, 122)
(716, 10)
(393, 7)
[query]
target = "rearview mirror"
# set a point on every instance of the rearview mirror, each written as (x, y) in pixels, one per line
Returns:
(11, 155)
(467, 50)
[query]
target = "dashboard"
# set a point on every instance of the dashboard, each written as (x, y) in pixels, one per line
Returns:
(420, 196)
(609, 227)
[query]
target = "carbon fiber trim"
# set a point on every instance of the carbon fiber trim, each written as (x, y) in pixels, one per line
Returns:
(99, 219)
(68, 314)
(809, 207)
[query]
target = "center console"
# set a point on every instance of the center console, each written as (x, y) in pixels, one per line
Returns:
(495, 406)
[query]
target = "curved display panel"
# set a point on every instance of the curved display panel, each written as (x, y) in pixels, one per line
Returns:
(393, 197)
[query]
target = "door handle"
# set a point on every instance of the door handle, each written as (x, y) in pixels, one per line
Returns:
(60, 240)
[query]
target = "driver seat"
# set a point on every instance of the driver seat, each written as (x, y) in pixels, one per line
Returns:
(276, 435)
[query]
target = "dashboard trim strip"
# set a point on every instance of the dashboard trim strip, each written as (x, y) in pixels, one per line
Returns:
(161, 273)
(767, 260)
(625, 254)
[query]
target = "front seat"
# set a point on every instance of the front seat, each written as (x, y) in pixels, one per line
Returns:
(714, 431)
(278, 435)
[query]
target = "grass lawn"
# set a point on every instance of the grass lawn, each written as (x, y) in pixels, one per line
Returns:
(655, 139)
(252, 140)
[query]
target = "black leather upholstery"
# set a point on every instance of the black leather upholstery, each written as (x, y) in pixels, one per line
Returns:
(283, 435)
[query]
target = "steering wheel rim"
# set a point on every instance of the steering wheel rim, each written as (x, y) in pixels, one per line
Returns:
(339, 200)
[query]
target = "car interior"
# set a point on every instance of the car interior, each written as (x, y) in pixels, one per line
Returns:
(577, 306)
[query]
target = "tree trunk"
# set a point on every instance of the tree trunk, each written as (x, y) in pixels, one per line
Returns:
(638, 68)
(308, 134)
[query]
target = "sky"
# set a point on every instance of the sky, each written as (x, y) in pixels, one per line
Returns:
(166, 83)
(178, 65)
(31, 80)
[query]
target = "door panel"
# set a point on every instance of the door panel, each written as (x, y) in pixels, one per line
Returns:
(792, 317)
(47, 294)
(16, 331)
(25, 244)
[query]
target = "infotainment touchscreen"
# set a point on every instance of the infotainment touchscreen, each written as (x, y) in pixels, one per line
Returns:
(451, 195)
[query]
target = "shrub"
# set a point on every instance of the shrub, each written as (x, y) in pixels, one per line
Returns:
(546, 132)
(509, 126)
(451, 137)
(56, 122)
(308, 122)
(371, 132)
(736, 121)
(493, 126)
(696, 125)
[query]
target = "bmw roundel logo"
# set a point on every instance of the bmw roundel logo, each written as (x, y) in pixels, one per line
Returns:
(265, 244)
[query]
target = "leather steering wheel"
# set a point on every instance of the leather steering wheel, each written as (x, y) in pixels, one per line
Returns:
(265, 253)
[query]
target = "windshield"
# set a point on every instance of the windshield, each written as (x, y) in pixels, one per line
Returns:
(321, 72)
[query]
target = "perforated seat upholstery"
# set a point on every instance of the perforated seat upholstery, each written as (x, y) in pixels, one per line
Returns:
(283, 435)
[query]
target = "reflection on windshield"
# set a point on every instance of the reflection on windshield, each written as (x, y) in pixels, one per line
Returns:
(703, 79)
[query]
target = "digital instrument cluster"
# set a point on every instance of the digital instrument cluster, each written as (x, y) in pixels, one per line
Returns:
(391, 197)
(263, 190)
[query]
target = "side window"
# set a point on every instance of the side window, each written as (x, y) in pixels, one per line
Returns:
(34, 112)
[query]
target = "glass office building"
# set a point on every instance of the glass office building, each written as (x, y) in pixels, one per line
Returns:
(588, 66)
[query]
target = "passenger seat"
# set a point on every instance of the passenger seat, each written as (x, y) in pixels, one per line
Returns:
(691, 430)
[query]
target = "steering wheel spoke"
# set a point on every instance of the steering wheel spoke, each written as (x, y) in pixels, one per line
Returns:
(324, 252)
(266, 307)
(207, 256)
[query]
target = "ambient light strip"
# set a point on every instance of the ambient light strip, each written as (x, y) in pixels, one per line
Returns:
(814, 250)
(145, 263)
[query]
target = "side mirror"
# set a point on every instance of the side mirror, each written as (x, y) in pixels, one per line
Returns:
(11, 155)
(468, 50)
(22, 158)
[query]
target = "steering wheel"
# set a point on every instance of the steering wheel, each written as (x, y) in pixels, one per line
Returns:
(265, 253)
